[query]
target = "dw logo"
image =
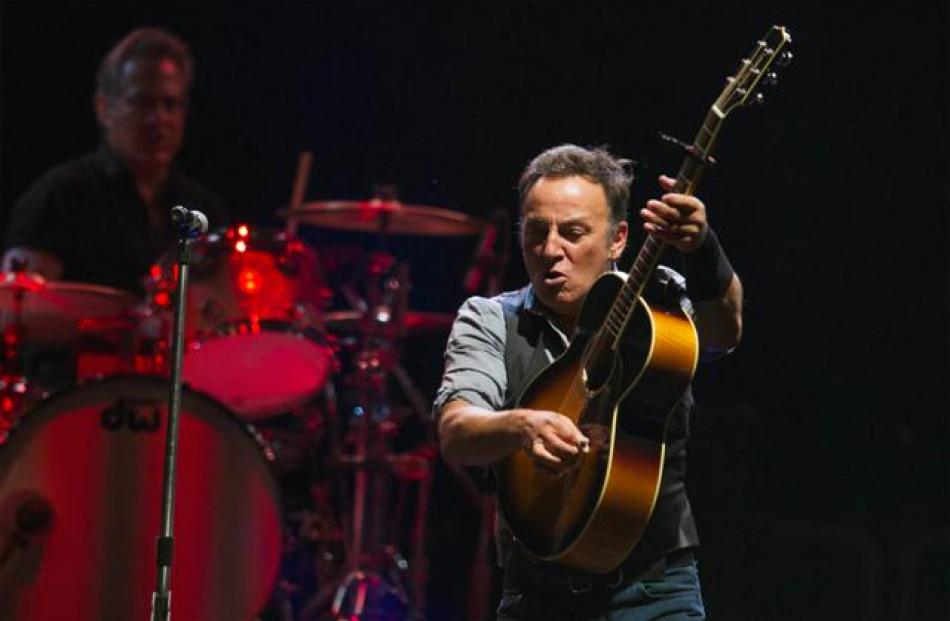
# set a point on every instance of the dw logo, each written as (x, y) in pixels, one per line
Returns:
(144, 418)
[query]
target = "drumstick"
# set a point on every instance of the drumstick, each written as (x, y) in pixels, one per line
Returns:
(304, 162)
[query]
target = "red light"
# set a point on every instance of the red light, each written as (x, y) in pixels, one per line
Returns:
(242, 230)
(155, 272)
(162, 299)
(6, 404)
(249, 281)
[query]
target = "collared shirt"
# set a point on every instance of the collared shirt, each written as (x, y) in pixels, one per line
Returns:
(89, 214)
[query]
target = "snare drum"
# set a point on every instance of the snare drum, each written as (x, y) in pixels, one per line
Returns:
(89, 461)
(251, 341)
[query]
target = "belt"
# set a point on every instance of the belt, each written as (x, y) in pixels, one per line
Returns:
(629, 572)
(523, 569)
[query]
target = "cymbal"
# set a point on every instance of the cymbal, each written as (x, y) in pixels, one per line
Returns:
(385, 216)
(415, 321)
(52, 311)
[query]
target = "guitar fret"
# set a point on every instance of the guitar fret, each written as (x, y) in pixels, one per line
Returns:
(616, 325)
(617, 314)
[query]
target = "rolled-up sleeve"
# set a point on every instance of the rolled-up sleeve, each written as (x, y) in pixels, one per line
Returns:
(475, 357)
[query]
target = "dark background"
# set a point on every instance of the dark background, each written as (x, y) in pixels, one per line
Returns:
(820, 462)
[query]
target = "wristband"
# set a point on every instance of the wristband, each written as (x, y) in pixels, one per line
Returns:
(708, 271)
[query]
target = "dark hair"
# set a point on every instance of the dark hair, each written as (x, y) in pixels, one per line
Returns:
(149, 44)
(596, 164)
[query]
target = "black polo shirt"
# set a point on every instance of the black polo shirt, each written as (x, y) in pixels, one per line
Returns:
(88, 213)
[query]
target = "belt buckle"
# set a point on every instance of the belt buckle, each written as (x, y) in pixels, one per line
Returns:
(580, 586)
(613, 584)
(585, 586)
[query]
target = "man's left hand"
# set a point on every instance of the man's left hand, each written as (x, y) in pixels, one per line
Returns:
(677, 219)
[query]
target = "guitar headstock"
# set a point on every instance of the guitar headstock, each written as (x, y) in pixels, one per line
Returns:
(760, 68)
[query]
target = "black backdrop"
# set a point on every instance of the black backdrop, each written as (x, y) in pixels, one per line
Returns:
(822, 442)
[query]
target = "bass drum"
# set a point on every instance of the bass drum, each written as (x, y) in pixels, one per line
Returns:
(80, 498)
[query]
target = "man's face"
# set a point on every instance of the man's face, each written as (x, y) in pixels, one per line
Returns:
(566, 240)
(145, 123)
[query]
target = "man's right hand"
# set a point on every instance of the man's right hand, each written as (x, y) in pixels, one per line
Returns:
(551, 439)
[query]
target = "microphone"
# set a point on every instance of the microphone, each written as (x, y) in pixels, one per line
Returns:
(190, 222)
(491, 253)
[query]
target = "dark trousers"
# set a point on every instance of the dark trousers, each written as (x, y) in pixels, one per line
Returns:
(670, 594)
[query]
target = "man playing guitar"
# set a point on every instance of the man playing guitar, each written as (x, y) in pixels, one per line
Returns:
(573, 229)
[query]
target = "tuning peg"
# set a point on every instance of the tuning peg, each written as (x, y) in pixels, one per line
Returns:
(785, 58)
(770, 79)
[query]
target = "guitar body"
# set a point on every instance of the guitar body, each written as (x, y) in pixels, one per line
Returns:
(592, 516)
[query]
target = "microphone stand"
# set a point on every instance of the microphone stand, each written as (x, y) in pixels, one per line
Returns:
(161, 598)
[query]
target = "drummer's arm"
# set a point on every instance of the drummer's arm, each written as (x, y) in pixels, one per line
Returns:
(37, 261)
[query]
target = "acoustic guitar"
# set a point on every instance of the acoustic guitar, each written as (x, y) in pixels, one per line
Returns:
(627, 365)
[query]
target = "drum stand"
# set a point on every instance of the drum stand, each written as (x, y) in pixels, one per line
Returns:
(14, 385)
(380, 583)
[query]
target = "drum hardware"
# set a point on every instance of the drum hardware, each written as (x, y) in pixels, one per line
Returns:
(380, 582)
(381, 595)
(14, 391)
(13, 385)
(15, 286)
(374, 581)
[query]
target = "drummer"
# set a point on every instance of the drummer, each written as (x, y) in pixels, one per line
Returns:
(104, 218)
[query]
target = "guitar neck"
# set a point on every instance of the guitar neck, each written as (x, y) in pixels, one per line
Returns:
(687, 179)
(737, 92)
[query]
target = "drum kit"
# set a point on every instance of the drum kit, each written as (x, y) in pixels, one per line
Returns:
(291, 498)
